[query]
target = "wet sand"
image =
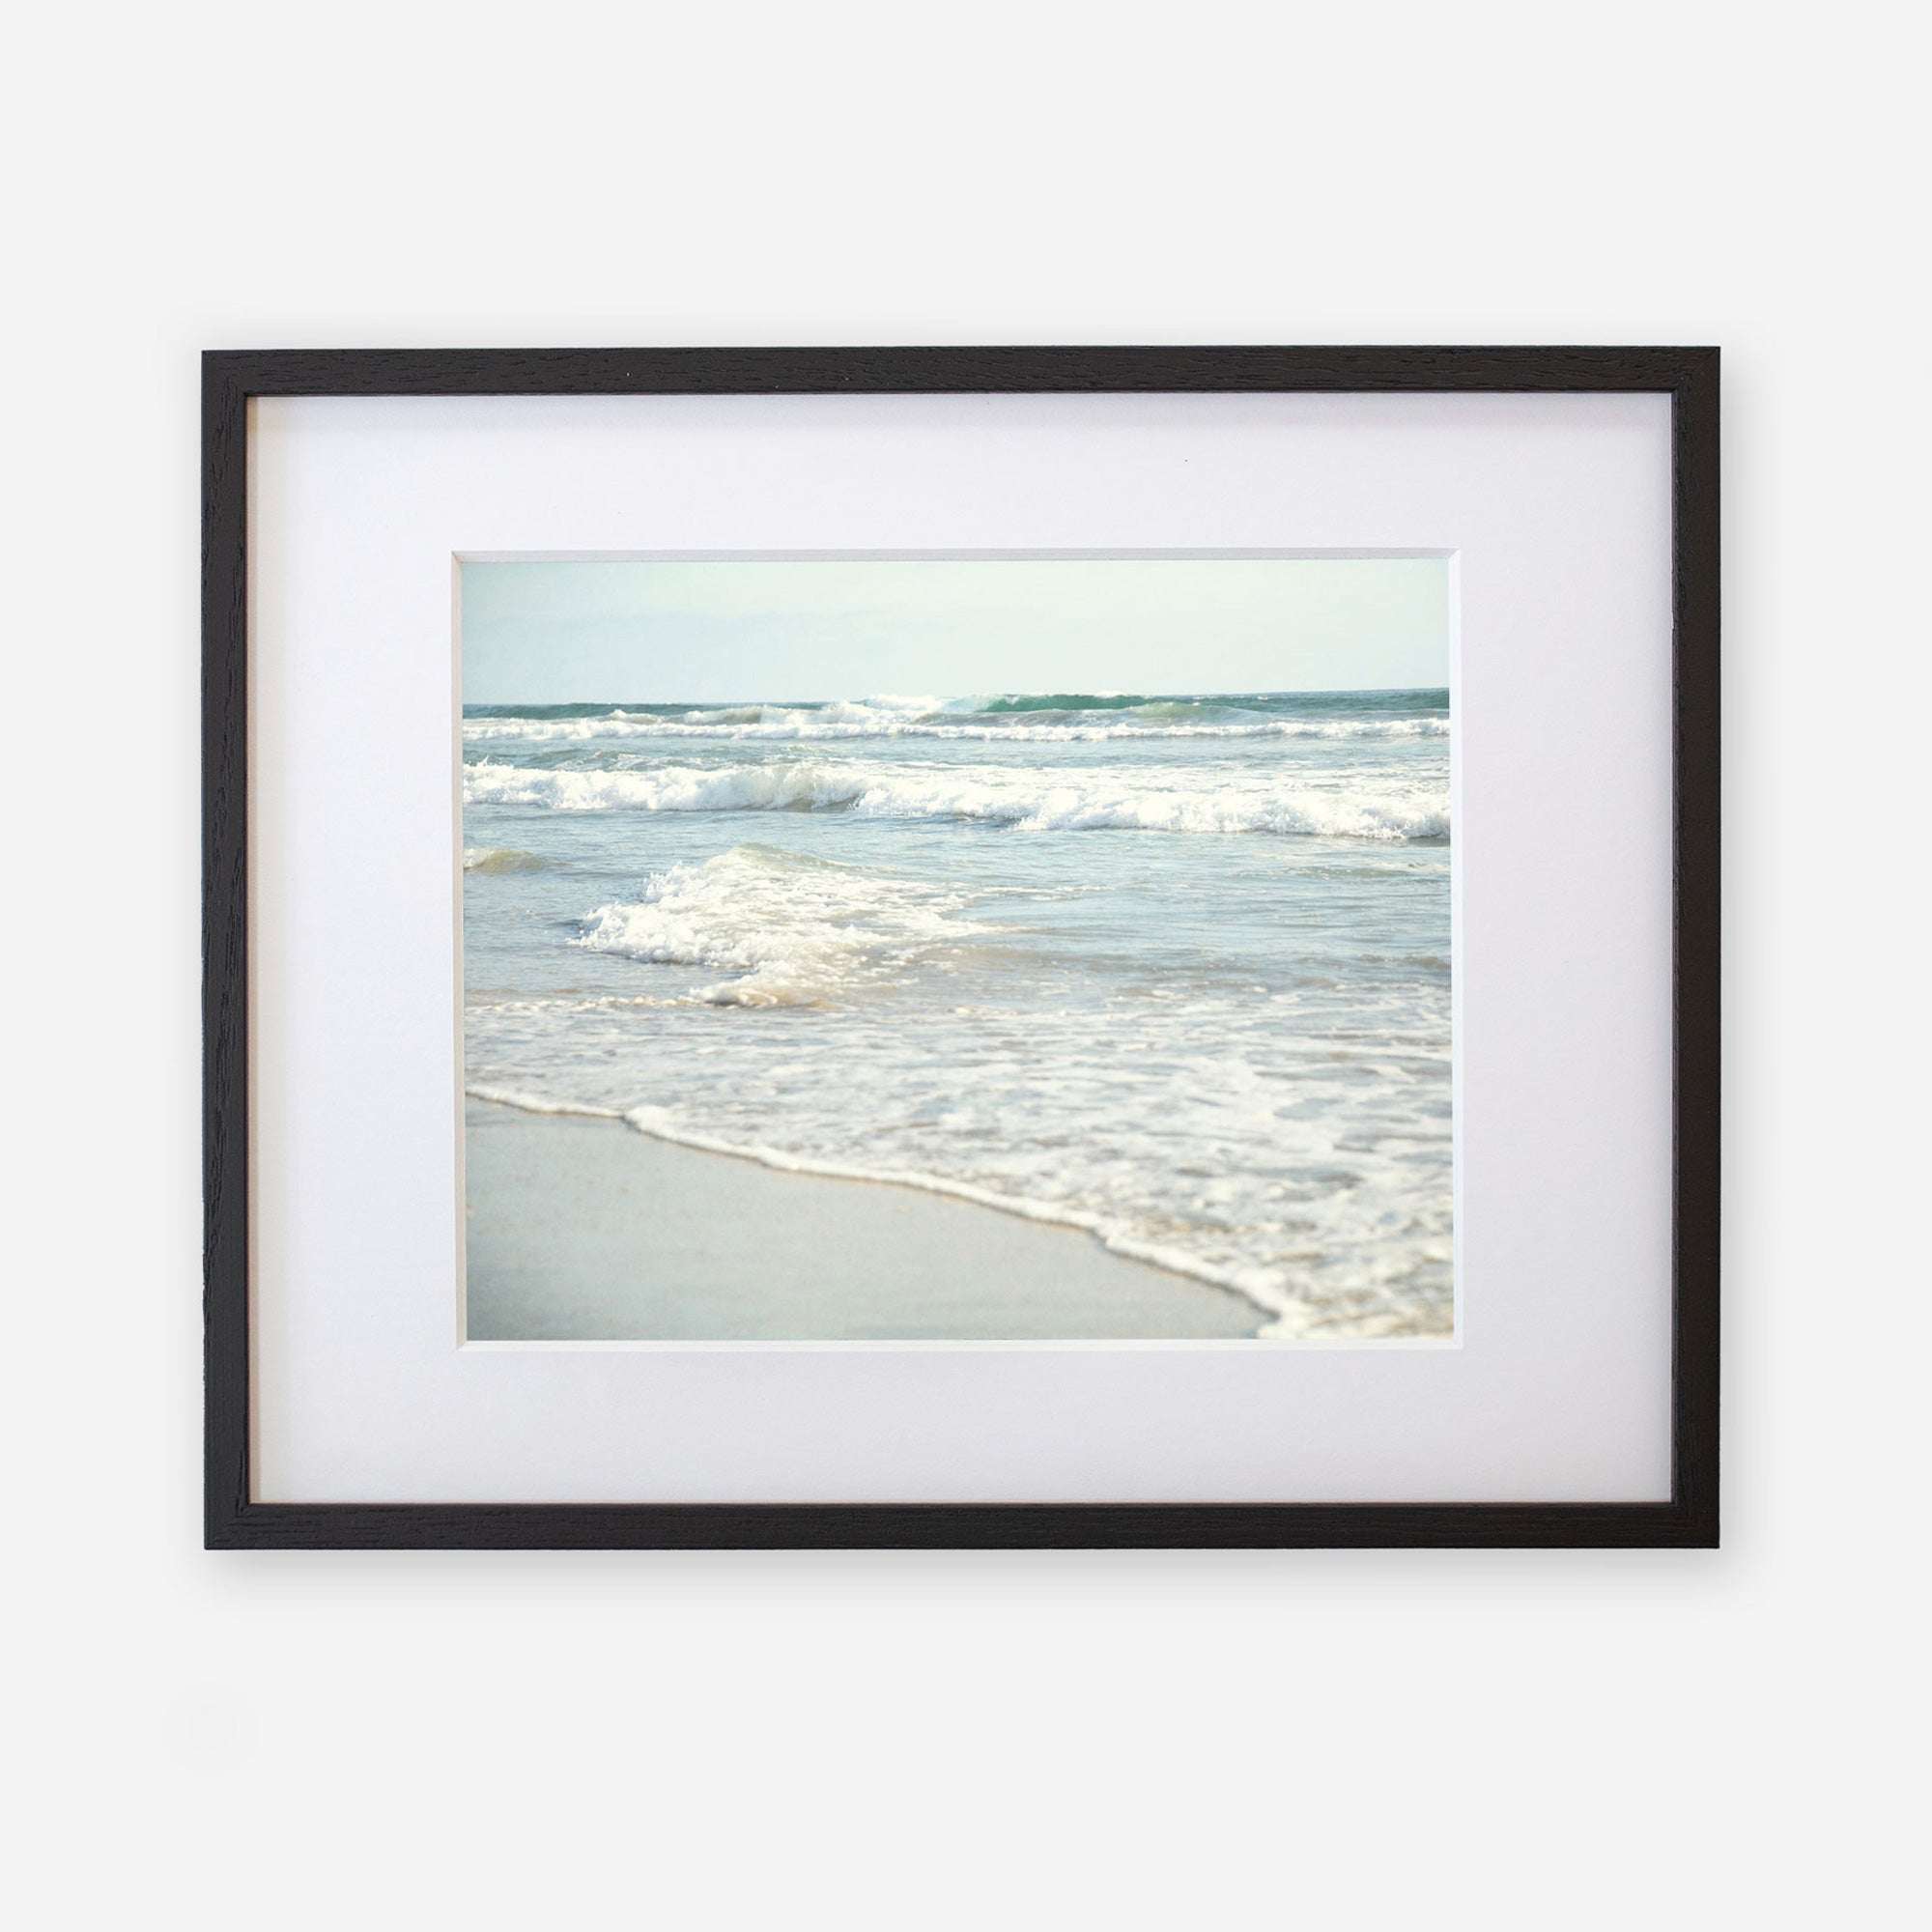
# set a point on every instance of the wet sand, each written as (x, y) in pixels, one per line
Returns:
(584, 1230)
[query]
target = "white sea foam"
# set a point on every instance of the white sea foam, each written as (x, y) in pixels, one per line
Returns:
(535, 1103)
(792, 931)
(1028, 801)
(1271, 1291)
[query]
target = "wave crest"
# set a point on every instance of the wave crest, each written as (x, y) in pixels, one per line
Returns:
(793, 931)
(754, 723)
(1024, 801)
(499, 859)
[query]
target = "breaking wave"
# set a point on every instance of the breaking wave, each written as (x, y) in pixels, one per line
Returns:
(1053, 718)
(1027, 801)
(791, 930)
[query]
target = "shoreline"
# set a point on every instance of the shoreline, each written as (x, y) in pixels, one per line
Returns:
(582, 1226)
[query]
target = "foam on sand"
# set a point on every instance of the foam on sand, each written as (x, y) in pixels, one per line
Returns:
(579, 1231)
(1284, 1314)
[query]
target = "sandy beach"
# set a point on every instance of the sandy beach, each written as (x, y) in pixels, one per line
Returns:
(581, 1228)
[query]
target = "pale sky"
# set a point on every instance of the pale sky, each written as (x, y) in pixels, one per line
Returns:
(560, 633)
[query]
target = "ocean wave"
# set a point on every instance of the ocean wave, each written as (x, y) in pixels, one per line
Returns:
(793, 931)
(499, 859)
(1027, 801)
(880, 710)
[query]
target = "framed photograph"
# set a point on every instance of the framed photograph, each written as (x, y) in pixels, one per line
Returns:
(961, 946)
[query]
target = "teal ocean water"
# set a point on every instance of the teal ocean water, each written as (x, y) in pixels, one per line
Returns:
(1172, 969)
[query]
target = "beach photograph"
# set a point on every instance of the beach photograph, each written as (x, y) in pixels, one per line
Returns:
(972, 950)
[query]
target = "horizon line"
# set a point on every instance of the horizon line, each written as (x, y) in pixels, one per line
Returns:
(1279, 690)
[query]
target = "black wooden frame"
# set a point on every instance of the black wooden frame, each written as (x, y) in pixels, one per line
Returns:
(233, 1519)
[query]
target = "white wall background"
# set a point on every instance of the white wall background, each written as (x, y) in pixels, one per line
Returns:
(949, 1740)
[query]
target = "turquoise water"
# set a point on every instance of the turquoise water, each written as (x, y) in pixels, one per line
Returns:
(1173, 969)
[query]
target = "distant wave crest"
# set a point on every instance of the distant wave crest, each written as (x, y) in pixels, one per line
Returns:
(753, 723)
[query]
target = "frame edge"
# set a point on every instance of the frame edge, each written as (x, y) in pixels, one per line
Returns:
(230, 377)
(224, 944)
